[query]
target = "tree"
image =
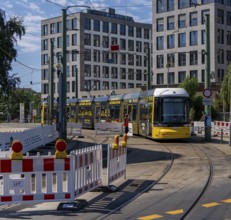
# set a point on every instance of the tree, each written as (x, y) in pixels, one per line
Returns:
(10, 31)
(191, 85)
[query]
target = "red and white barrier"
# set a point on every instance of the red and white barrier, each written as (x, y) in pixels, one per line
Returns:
(36, 179)
(116, 163)
(221, 128)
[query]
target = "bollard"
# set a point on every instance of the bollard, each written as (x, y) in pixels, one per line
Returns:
(115, 145)
(60, 152)
(124, 141)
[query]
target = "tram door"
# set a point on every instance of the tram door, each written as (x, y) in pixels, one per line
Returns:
(131, 110)
(145, 125)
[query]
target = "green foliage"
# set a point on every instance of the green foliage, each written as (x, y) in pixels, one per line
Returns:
(190, 85)
(10, 31)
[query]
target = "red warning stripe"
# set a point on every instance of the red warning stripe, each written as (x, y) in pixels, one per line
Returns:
(5, 166)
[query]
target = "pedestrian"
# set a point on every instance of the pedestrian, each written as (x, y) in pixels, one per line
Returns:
(126, 124)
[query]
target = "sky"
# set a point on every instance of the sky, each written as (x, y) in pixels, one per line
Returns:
(28, 67)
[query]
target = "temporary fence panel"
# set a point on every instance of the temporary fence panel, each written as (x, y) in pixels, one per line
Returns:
(108, 128)
(88, 169)
(74, 129)
(37, 179)
(116, 163)
(221, 128)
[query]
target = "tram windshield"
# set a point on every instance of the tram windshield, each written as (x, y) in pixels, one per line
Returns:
(172, 110)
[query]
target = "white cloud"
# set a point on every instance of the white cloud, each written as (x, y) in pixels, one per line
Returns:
(29, 44)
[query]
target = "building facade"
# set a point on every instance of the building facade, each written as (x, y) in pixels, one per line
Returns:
(105, 52)
(179, 40)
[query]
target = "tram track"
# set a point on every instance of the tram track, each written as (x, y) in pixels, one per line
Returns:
(164, 173)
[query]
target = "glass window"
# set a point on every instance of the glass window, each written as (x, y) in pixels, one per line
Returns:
(228, 2)
(171, 60)
(229, 37)
(105, 27)
(220, 16)
(203, 13)
(182, 40)
(114, 28)
(220, 56)
(181, 21)
(87, 24)
(122, 29)
(138, 46)
(171, 41)
(228, 18)
(45, 30)
(105, 41)
(203, 54)
(171, 78)
(130, 45)
(160, 78)
(183, 4)
(122, 44)
(171, 23)
(74, 39)
(74, 23)
(45, 44)
(87, 39)
(160, 61)
(182, 59)
(202, 75)
(160, 6)
(160, 24)
(193, 58)
(59, 27)
(59, 42)
(146, 34)
(203, 37)
(52, 28)
(193, 19)
(160, 43)
(193, 38)
(130, 31)
(87, 55)
(220, 75)
(220, 36)
(193, 73)
(170, 5)
(96, 40)
(228, 56)
(96, 25)
(181, 76)
(138, 32)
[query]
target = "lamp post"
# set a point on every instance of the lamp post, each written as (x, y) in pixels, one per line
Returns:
(63, 77)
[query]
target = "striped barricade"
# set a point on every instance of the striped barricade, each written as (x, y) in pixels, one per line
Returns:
(36, 179)
(221, 128)
(88, 169)
(116, 163)
(108, 128)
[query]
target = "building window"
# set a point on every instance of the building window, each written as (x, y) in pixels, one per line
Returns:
(131, 59)
(138, 60)
(123, 58)
(171, 78)
(105, 41)
(123, 85)
(45, 73)
(45, 88)
(114, 28)
(160, 6)
(146, 34)
(220, 56)
(171, 60)
(138, 32)
(96, 56)
(96, 40)
(87, 55)
(114, 73)
(160, 24)
(122, 44)
(228, 2)
(228, 57)
(181, 76)
(131, 74)
(87, 39)
(170, 5)
(220, 36)
(59, 42)
(193, 19)
(74, 39)
(229, 37)
(220, 16)
(68, 41)
(87, 24)
(203, 54)
(193, 58)
(160, 61)
(59, 27)
(105, 27)
(138, 46)
(181, 21)
(96, 25)
(96, 71)
(181, 59)
(130, 45)
(74, 23)
(171, 23)
(44, 59)
(45, 44)
(130, 31)
(122, 29)
(52, 28)
(220, 75)
(203, 36)
(114, 41)
(160, 78)
(74, 55)
(105, 71)
(45, 30)
(193, 73)
(122, 73)
(202, 75)
(193, 38)
(160, 43)
(183, 4)
(182, 40)
(194, 2)
(203, 13)
(170, 41)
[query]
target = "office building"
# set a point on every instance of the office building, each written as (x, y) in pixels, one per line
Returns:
(105, 52)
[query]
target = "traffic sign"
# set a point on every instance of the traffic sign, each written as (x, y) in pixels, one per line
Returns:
(207, 101)
(207, 93)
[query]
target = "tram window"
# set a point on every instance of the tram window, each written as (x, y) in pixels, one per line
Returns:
(134, 113)
(125, 110)
(143, 112)
(97, 112)
(157, 110)
(130, 111)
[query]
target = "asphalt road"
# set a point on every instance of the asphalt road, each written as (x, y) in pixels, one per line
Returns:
(163, 180)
